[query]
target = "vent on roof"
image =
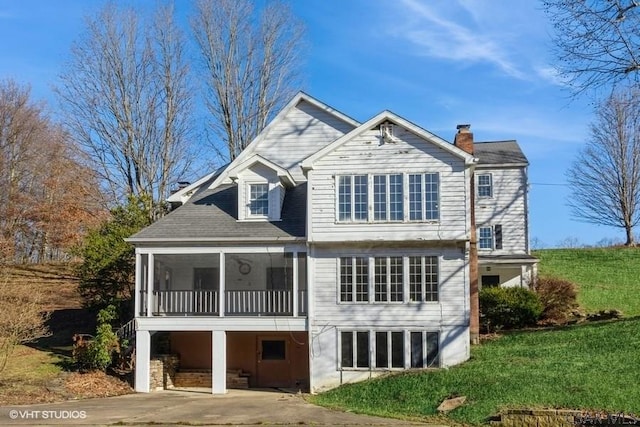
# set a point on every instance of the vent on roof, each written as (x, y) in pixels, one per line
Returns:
(387, 133)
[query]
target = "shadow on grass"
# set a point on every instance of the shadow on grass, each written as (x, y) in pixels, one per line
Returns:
(64, 324)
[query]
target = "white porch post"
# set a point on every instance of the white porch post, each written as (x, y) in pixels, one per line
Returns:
(143, 355)
(150, 280)
(295, 284)
(523, 274)
(219, 362)
(222, 286)
(137, 296)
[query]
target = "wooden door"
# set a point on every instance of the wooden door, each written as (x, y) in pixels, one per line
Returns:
(274, 364)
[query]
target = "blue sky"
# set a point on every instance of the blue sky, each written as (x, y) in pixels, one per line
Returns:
(438, 64)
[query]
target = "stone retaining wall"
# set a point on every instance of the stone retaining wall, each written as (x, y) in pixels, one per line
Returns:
(560, 418)
(162, 369)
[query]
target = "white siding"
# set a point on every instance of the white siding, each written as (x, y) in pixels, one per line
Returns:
(449, 316)
(305, 130)
(324, 363)
(506, 207)
(366, 155)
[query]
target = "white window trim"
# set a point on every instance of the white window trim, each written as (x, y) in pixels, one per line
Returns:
(493, 238)
(247, 189)
(423, 278)
(371, 271)
(371, 199)
(406, 335)
(490, 175)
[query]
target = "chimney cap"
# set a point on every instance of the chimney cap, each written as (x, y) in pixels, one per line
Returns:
(463, 127)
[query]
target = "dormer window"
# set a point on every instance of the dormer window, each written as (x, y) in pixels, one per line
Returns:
(259, 200)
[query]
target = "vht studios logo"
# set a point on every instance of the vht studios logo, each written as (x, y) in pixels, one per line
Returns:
(15, 414)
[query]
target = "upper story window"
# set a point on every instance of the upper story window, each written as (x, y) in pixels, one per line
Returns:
(352, 198)
(382, 197)
(384, 279)
(259, 200)
(490, 237)
(387, 198)
(485, 185)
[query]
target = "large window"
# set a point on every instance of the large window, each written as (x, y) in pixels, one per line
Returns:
(354, 349)
(389, 349)
(485, 185)
(424, 197)
(353, 198)
(259, 199)
(423, 278)
(389, 280)
(386, 200)
(354, 279)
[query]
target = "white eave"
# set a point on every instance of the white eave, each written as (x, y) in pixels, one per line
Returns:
(282, 173)
(394, 118)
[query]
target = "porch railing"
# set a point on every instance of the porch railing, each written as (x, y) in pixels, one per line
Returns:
(237, 303)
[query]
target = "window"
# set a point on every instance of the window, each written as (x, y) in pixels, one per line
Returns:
(354, 279)
(259, 199)
(274, 350)
(485, 238)
(490, 237)
(424, 344)
(354, 348)
(388, 279)
(352, 198)
(423, 197)
(388, 202)
(485, 185)
(490, 280)
(390, 348)
(423, 278)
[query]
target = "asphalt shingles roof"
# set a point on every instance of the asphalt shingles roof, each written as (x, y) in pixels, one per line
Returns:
(211, 215)
(499, 153)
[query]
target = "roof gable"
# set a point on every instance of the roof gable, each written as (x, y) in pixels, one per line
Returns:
(388, 116)
(283, 174)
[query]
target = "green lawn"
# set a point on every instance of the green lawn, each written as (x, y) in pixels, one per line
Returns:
(589, 366)
(608, 278)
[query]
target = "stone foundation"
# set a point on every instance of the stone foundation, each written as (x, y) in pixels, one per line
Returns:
(162, 370)
(202, 378)
(560, 418)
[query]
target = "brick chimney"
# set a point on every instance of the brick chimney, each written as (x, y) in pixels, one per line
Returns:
(464, 138)
(464, 141)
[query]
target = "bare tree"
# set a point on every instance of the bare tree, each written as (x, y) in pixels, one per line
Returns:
(597, 41)
(251, 63)
(126, 98)
(605, 177)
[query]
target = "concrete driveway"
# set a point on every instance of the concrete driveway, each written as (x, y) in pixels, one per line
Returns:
(237, 408)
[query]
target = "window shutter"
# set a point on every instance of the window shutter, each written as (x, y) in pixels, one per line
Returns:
(497, 231)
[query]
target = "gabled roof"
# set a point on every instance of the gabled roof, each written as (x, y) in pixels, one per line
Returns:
(499, 153)
(210, 216)
(221, 174)
(301, 96)
(282, 173)
(394, 118)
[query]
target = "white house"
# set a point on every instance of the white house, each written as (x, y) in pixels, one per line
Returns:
(330, 251)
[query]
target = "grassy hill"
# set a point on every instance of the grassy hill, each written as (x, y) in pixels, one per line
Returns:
(607, 278)
(590, 366)
(37, 372)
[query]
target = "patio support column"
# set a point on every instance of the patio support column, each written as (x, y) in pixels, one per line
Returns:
(523, 276)
(295, 284)
(143, 355)
(222, 286)
(150, 280)
(219, 362)
(137, 295)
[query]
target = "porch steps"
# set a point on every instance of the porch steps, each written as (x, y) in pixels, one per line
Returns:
(202, 378)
